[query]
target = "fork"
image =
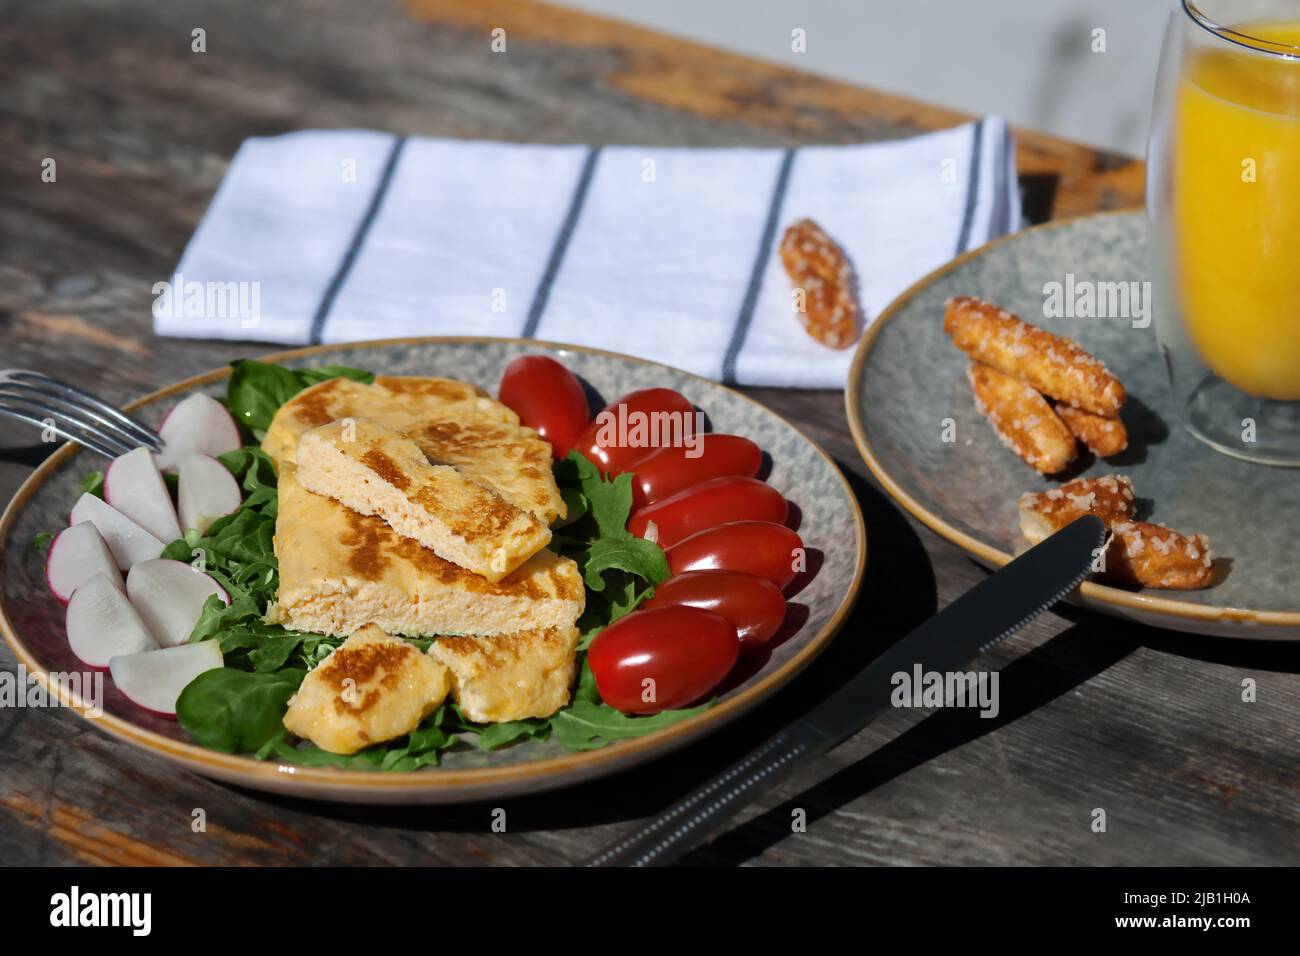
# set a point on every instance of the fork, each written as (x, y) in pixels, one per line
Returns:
(72, 414)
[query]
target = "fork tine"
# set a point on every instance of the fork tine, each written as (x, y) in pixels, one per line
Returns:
(87, 419)
(143, 433)
(72, 426)
(89, 442)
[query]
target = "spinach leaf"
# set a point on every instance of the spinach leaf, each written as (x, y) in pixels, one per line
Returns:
(257, 389)
(236, 711)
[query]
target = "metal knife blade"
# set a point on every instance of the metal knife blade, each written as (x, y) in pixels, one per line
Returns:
(992, 610)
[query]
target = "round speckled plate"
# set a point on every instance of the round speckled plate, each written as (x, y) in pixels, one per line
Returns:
(830, 524)
(907, 379)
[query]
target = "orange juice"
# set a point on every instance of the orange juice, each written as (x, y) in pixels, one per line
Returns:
(1236, 211)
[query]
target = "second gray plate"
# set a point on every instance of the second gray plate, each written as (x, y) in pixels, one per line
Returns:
(908, 380)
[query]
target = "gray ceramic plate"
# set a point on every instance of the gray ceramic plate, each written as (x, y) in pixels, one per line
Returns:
(907, 378)
(830, 524)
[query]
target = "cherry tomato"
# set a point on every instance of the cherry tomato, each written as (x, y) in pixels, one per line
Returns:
(717, 501)
(547, 397)
(753, 605)
(650, 661)
(756, 547)
(633, 427)
(670, 470)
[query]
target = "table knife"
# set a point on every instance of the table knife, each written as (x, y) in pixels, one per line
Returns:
(992, 610)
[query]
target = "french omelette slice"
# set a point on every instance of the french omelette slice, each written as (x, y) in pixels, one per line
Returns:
(373, 688)
(377, 471)
(512, 676)
(340, 570)
(452, 422)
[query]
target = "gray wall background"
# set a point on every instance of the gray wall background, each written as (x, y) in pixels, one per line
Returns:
(1030, 60)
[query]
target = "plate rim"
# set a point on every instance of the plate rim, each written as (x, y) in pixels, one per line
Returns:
(547, 773)
(1102, 594)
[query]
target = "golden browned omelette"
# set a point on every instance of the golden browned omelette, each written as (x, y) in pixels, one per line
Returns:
(340, 570)
(373, 688)
(377, 471)
(510, 677)
(452, 422)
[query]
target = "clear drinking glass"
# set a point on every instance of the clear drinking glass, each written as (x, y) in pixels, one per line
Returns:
(1223, 203)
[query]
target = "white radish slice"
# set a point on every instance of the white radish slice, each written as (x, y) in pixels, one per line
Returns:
(169, 596)
(102, 623)
(198, 424)
(134, 486)
(76, 555)
(155, 679)
(127, 540)
(207, 491)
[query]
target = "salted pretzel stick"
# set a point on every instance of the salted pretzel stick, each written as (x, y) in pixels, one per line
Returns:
(1051, 364)
(1022, 419)
(1105, 436)
(1158, 557)
(1043, 513)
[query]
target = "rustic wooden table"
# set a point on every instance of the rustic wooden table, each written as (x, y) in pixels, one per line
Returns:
(1148, 725)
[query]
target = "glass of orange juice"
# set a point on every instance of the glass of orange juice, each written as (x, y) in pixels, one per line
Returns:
(1223, 201)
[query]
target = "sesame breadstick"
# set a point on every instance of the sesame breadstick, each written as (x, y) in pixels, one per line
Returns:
(1022, 419)
(1105, 436)
(1158, 557)
(1053, 365)
(1043, 513)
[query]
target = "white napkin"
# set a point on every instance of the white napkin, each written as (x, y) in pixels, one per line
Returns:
(665, 253)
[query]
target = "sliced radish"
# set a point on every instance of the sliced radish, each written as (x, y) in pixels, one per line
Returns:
(76, 555)
(169, 595)
(134, 486)
(127, 540)
(102, 623)
(197, 424)
(207, 490)
(155, 679)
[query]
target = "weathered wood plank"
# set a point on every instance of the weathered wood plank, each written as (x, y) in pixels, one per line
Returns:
(1147, 725)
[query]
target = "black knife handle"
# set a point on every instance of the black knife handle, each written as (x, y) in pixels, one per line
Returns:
(700, 813)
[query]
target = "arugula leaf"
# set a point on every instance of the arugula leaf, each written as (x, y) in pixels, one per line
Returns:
(586, 725)
(236, 711)
(43, 539)
(257, 389)
(94, 483)
(586, 684)
(599, 540)
(637, 556)
(610, 501)
(419, 748)
(498, 735)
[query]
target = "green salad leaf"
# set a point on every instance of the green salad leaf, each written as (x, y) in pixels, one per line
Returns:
(257, 389)
(94, 483)
(236, 711)
(586, 725)
(420, 748)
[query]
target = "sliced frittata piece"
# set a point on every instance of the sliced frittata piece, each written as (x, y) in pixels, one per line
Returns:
(375, 470)
(454, 423)
(340, 570)
(511, 676)
(373, 688)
